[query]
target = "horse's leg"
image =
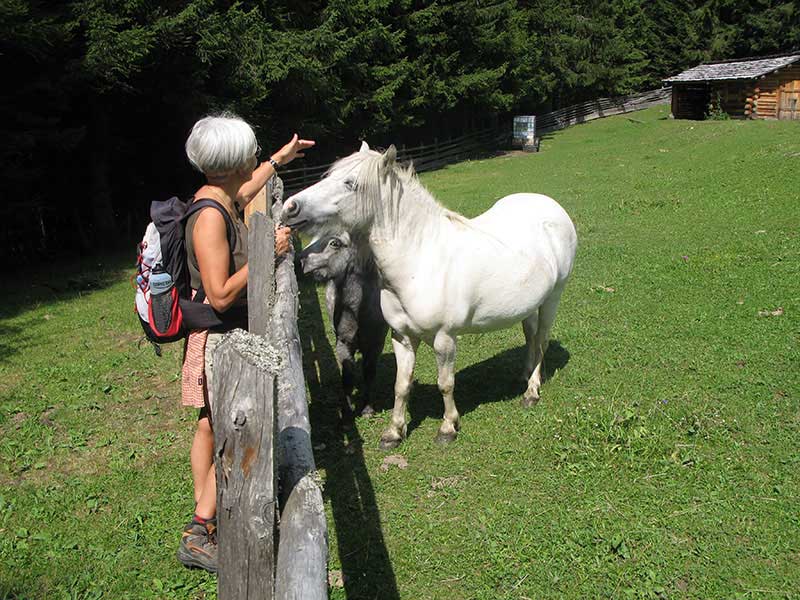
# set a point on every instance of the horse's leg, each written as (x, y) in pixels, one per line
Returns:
(345, 354)
(546, 318)
(369, 366)
(529, 328)
(444, 345)
(405, 350)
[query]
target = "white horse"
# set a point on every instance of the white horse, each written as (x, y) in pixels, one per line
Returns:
(443, 274)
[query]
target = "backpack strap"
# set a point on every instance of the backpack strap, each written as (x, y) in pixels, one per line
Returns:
(196, 207)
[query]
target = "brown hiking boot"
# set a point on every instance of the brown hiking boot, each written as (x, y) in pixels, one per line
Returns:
(198, 547)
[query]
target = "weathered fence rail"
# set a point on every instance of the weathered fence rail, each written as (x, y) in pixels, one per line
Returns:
(272, 528)
(301, 572)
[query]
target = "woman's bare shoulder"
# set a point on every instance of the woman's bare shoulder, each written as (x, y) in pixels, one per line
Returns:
(209, 222)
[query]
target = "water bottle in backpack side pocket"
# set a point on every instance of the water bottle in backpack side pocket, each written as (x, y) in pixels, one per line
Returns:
(161, 300)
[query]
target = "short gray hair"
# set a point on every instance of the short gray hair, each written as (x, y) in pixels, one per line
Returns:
(219, 145)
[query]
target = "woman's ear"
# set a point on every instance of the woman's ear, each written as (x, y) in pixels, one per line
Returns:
(246, 173)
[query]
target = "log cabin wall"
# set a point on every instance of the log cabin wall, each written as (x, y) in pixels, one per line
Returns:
(768, 90)
(732, 96)
(694, 100)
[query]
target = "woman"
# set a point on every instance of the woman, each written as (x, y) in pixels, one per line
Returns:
(225, 150)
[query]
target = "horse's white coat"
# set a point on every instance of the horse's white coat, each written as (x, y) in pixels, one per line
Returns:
(443, 274)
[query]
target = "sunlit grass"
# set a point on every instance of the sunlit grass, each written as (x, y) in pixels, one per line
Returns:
(661, 461)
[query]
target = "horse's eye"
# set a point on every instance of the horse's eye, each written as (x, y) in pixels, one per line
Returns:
(350, 184)
(334, 243)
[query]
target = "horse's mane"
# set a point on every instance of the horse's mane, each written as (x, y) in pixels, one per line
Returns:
(379, 191)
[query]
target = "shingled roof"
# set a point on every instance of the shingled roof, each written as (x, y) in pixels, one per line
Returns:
(745, 68)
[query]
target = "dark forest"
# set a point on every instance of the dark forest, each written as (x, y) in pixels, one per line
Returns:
(99, 95)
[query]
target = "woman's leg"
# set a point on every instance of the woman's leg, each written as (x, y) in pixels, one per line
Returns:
(207, 502)
(206, 493)
(202, 454)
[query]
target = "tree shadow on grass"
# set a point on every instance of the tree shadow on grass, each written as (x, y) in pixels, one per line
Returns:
(45, 285)
(366, 567)
(495, 379)
(10, 340)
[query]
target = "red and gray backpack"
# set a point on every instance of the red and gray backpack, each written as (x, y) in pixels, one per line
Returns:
(164, 303)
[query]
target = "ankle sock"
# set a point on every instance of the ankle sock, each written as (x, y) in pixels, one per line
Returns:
(201, 521)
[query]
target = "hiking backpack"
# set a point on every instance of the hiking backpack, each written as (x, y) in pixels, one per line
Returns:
(164, 303)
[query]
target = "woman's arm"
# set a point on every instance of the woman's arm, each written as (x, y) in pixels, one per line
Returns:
(265, 170)
(251, 187)
(213, 258)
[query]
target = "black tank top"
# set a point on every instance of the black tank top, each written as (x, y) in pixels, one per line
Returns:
(236, 316)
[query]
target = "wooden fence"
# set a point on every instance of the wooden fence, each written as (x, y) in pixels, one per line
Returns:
(272, 530)
(425, 158)
(596, 109)
(440, 153)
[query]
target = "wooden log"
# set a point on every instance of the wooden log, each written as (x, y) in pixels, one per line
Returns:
(302, 553)
(243, 414)
(296, 457)
(261, 272)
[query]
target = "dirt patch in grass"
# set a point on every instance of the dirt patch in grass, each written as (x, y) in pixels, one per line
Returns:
(121, 339)
(513, 153)
(444, 483)
(9, 381)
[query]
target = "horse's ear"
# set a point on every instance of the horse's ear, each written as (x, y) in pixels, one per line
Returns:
(364, 147)
(389, 157)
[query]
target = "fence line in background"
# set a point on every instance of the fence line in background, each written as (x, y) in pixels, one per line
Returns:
(602, 107)
(427, 157)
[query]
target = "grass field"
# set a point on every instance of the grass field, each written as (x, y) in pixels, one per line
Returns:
(661, 462)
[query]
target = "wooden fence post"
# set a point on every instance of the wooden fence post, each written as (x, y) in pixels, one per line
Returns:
(261, 260)
(244, 393)
(261, 281)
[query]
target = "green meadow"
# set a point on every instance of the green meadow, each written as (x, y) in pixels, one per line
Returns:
(661, 462)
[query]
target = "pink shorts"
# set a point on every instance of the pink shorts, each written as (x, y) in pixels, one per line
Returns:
(198, 368)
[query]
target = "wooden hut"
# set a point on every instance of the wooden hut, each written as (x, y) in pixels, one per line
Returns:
(766, 87)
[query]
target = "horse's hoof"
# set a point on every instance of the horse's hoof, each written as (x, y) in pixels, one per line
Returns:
(529, 401)
(367, 412)
(389, 443)
(445, 438)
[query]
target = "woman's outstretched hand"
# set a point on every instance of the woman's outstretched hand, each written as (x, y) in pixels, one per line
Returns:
(294, 149)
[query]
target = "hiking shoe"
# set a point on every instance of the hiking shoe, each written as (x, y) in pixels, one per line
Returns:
(198, 547)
